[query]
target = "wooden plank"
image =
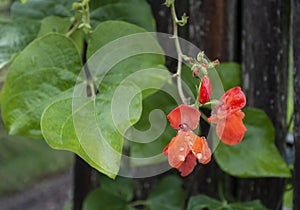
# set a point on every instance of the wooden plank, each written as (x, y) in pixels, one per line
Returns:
(296, 49)
(265, 50)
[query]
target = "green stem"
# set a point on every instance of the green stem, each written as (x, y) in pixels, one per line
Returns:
(73, 29)
(204, 117)
(179, 55)
(139, 203)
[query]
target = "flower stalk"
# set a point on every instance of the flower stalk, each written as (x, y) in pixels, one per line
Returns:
(180, 55)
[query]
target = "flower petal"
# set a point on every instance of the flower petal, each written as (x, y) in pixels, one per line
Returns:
(232, 129)
(188, 165)
(201, 150)
(205, 90)
(165, 150)
(234, 99)
(184, 114)
(178, 149)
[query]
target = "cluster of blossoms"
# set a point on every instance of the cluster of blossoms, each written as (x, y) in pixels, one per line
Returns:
(186, 147)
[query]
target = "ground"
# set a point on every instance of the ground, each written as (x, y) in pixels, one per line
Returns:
(50, 193)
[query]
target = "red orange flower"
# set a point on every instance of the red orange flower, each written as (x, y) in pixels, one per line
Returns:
(228, 116)
(205, 90)
(186, 147)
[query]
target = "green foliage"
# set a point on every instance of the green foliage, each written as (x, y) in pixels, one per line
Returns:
(24, 28)
(168, 194)
(41, 80)
(112, 195)
(256, 155)
(119, 194)
(46, 70)
(200, 202)
(230, 74)
(125, 10)
(25, 24)
(54, 24)
(14, 37)
(39, 9)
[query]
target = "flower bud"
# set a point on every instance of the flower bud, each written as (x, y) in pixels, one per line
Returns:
(205, 90)
(196, 72)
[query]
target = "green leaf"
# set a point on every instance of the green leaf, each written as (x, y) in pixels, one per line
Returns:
(96, 126)
(167, 194)
(39, 9)
(230, 74)
(112, 194)
(54, 24)
(256, 155)
(59, 132)
(61, 25)
(105, 200)
(44, 71)
(15, 36)
(133, 11)
(121, 187)
(204, 202)
(256, 204)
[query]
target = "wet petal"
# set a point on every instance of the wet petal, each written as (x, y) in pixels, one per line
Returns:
(184, 114)
(232, 129)
(188, 165)
(201, 150)
(206, 154)
(165, 150)
(178, 149)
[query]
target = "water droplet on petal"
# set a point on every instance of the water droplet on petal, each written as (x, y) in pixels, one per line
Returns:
(181, 149)
(199, 156)
(187, 137)
(181, 157)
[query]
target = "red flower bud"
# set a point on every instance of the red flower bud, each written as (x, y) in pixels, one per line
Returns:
(191, 60)
(205, 90)
(216, 62)
(204, 65)
(196, 72)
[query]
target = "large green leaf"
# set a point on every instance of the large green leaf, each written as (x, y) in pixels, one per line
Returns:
(200, 202)
(14, 37)
(112, 194)
(44, 71)
(230, 74)
(59, 132)
(256, 155)
(96, 125)
(134, 11)
(167, 194)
